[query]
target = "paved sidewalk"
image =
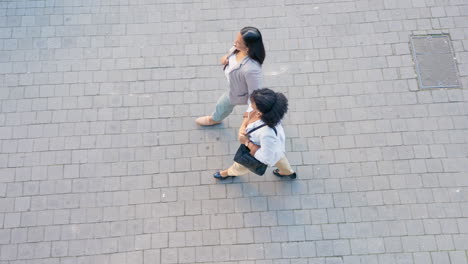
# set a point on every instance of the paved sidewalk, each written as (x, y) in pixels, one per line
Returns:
(101, 161)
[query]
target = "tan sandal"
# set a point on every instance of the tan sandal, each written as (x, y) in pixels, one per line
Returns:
(206, 121)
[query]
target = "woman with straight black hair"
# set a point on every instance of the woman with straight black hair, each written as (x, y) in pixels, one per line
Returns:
(243, 70)
(267, 141)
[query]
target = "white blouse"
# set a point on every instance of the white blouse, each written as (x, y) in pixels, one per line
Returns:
(272, 146)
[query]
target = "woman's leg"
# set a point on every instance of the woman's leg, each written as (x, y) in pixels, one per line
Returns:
(223, 108)
(237, 170)
(284, 167)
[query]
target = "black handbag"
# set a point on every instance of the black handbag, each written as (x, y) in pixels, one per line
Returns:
(244, 157)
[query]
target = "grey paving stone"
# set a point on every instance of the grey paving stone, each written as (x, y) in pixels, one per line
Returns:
(457, 257)
(285, 217)
(290, 250)
(268, 218)
(279, 234)
(245, 235)
(272, 251)
(459, 241)
(252, 219)
(101, 158)
(296, 233)
(262, 235)
(324, 248)
(235, 220)
(330, 231)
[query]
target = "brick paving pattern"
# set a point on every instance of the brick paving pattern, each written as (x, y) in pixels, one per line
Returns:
(101, 161)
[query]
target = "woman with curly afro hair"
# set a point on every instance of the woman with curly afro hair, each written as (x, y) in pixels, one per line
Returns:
(266, 144)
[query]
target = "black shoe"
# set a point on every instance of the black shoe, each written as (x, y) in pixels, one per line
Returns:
(218, 176)
(292, 176)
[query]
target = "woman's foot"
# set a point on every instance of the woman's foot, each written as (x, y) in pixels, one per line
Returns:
(206, 121)
(277, 173)
(222, 175)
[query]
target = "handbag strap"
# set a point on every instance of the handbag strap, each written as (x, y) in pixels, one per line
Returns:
(276, 133)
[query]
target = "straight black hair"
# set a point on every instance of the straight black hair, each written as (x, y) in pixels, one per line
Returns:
(253, 40)
(272, 105)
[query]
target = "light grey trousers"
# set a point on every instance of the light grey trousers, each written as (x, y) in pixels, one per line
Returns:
(223, 108)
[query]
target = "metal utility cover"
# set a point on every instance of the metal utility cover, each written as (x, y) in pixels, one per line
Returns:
(435, 61)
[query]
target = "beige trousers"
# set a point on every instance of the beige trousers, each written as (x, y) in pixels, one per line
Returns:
(283, 165)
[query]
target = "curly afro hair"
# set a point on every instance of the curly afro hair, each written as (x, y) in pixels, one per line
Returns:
(272, 105)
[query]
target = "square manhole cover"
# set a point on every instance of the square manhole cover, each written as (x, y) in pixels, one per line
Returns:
(435, 61)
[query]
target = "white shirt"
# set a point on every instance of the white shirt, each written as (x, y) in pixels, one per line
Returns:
(272, 146)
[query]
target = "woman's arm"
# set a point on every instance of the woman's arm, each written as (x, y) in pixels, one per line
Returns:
(253, 148)
(224, 59)
(244, 139)
(243, 126)
(249, 117)
(267, 149)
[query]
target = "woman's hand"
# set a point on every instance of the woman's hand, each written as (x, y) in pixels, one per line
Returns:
(224, 60)
(241, 132)
(253, 116)
(243, 138)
